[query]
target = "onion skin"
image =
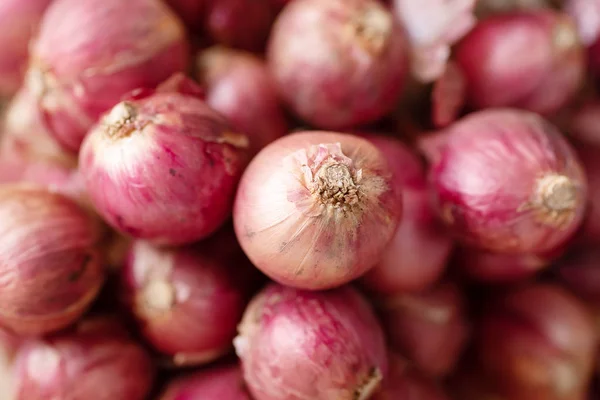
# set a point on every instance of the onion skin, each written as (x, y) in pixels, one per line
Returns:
(89, 53)
(186, 301)
(418, 253)
(223, 383)
(338, 63)
(542, 82)
(507, 181)
(48, 281)
(239, 86)
(298, 344)
(300, 216)
(163, 156)
(93, 362)
(538, 341)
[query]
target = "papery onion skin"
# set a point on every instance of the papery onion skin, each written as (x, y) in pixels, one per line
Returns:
(89, 53)
(539, 342)
(417, 255)
(542, 82)
(507, 181)
(240, 87)
(187, 302)
(298, 344)
(338, 63)
(95, 362)
(52, 273)
(315, 210)
(163, 166)
(223, 383)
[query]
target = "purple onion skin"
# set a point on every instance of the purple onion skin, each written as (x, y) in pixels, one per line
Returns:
(222, 383)
(507, 181)
(298, 344)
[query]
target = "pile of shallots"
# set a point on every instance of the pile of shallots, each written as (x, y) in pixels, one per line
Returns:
(300, 200)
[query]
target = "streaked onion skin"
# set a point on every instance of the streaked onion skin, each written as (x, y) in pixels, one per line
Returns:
(163, 166)
(223, 383)
(507, 181)
(315, 210)
(89, 53)
(338, 63)
(298, 344)
(50, 265)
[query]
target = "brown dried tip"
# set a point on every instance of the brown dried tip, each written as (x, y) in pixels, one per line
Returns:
(370, 386)
(557, 197)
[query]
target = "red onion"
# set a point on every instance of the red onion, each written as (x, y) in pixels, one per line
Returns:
(19, 20)
(193, 12)
(580, 271)
(586, 15)
(163, 166)
(507, 181)
(298, 344)
(338, 63)
(49, 261)
(526, 59)
(89, 363)
(89, 53)
(590, 159)
(539, 342)
(419, 251)
(223, 383)
(429, 328)
(448, 96)
(187, 302)
(240, 87)
(584, 122)
(433, 26)
(315, 210)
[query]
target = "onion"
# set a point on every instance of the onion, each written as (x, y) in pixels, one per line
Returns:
(193, 12)
(298, 344)
(240, 87)
(223, 383)
(586, 15)
(315, 210)
(338, 63)
(89, 53)
(539, 342)
(448, 96)
(433, 26)
(580, 272)
(590, 159)
(526, 59)
(507, 181)
(429, 328)
(584, 122)
(92, 362)
(163, 166)
(49, 261)
(419, 251)
(186, 301)
(19, 20)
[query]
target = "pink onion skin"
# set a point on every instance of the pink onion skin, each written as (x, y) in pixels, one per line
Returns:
(543, 82)
(297, 344)
(186, 301)
(539, 342)
(19, 20)
(506, 180)
(429, 328)
(448, 96)
(292, 221)
(420, 249)
(88, 363)
(240, 87)
(163, 156)
(89, 53)
(223, 383)
(48, 281)
(338, 63)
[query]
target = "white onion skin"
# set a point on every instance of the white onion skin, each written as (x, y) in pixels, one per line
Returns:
(296, 238)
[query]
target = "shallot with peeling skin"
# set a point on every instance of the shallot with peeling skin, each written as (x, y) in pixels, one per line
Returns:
(49, 260)
(94, 361)
(338, 63)
(89, 53)
(163, 166)
(316, 210)
(532, 60)
(240, 87)
(223, 383)
(300, 345)
(187, 302)
(507, 181)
